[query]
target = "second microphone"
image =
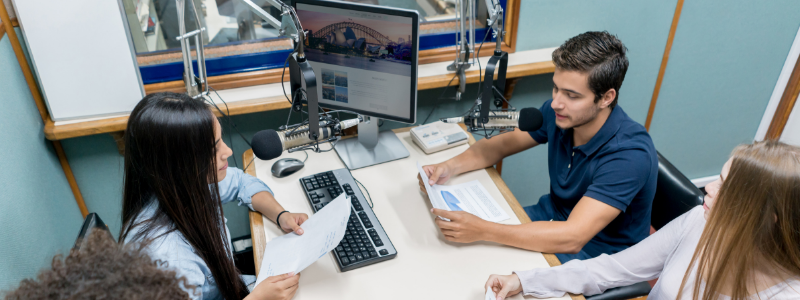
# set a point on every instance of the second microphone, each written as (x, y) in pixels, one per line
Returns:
(527, 119)
(268, 144)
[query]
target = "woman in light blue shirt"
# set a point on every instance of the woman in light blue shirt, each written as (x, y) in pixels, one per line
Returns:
(176, 180)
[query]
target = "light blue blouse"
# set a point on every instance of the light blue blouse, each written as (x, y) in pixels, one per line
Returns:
(179, 254)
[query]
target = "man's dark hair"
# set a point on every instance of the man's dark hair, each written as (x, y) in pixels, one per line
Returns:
(599, 53)
(102, 269)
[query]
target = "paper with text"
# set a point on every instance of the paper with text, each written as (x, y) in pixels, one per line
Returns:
(322, 232)
(471, 197)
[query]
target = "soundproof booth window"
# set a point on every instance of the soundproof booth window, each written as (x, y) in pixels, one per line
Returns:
(362, 60)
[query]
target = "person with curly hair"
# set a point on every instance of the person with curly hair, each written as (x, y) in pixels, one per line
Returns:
(102, 269)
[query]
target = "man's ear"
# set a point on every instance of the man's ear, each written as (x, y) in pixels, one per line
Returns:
(607, 98)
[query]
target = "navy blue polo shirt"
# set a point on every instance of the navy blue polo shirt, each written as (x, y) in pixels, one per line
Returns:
(618, 167)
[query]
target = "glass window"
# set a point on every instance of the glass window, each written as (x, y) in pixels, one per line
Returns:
(239, 41)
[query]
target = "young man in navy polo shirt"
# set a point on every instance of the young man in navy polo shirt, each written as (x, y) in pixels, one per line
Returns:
(602, 164)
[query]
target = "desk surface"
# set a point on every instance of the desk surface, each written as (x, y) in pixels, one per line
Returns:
(427, 266)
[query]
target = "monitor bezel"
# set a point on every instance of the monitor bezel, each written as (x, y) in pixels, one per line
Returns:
(414, 15)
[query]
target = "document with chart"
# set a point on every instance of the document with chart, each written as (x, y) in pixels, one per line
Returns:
(322, 232)
(471, 197)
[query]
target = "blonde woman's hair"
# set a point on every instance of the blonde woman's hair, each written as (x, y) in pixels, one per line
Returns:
(754, 225)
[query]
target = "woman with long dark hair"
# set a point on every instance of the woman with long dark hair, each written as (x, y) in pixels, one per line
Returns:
(743, 243)
(176, 180)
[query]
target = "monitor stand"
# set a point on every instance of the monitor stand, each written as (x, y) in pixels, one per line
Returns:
(371, 147)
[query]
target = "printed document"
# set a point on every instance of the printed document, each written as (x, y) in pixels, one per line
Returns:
(471, 197)
(322, 232)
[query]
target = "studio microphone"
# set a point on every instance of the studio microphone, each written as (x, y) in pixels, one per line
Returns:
(268, 144)
(527, 119)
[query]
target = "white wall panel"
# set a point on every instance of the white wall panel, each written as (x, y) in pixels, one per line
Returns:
(81, 52)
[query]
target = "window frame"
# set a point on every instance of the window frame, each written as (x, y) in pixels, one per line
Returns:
(236, 71)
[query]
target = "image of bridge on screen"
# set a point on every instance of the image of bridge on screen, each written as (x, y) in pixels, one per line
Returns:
(368, 44)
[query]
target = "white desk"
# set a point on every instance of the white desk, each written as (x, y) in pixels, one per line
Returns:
(427, 266)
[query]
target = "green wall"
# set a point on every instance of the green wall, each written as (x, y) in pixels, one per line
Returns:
(725, 60)
(39, 217)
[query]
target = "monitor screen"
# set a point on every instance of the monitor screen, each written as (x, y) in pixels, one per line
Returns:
(364, 57)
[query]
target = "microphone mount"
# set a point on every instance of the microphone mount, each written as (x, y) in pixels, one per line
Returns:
(498, 62)
(302, 81)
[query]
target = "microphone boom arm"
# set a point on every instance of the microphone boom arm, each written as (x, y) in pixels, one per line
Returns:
(302, 80)
(498, 62)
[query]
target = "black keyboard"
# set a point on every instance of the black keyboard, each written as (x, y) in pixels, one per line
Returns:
(365, 242)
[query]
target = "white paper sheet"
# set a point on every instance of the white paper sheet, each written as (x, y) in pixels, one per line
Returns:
(490, 295)
(321, 233)
(471, 197)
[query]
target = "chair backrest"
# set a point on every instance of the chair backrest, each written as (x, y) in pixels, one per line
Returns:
(92, 221)
(675, 194)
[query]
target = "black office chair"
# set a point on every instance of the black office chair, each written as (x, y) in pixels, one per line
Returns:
(92, 221)
(675, 195)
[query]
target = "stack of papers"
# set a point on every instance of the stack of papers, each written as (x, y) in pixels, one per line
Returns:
(471, 197)
(321, 233)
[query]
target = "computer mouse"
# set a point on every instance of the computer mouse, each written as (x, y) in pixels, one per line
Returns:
(286, 166)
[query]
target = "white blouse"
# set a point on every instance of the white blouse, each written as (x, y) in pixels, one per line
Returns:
(664, 255)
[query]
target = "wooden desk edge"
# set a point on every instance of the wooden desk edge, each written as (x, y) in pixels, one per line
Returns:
(257, 232)
(55, 132)
(259, 236)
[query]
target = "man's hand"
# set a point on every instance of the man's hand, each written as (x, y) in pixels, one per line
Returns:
(291, 222)
(504, 285)
(279, 287)
(463, 227)
(437, 174)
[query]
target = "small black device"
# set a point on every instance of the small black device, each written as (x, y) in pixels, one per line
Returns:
(365, 241)
(286, 166)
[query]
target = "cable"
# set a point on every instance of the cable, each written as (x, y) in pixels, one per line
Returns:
(306, 153)
(283, 73)
(282, 78)
(227, 118)
(365, 189)
(478, 55)
(248, 164)
(439, 99)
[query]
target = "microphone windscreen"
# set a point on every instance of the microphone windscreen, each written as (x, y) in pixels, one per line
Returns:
(267, 144)
(530, 119)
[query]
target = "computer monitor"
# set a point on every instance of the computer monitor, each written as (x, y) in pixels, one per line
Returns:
(365, 60)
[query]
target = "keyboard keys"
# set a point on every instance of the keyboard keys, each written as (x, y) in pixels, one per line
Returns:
(358, 246)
